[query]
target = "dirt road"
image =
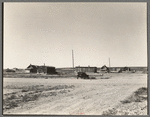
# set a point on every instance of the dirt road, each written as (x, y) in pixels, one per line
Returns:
(88, 97)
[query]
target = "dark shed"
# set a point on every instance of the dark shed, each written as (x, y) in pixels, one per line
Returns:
(47, 69)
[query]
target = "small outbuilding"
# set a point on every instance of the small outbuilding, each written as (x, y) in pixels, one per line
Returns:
(9, 70)
(126, 69)
(105, 68)
(32, 68)
(86, 69)
(46, 69)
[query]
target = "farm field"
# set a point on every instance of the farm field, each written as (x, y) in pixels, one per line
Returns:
(109, 94)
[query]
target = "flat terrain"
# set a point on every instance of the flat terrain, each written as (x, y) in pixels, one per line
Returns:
(71, 96)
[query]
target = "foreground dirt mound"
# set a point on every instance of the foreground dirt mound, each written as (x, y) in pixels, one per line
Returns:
(138, 96)
(136, 104)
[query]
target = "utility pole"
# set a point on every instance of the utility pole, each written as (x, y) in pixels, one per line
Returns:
(72, 59)
(109, 62)
(45, 69)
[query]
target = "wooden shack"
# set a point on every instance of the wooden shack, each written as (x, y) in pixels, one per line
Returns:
(105, 69)
(86, 69)
(41, 69)
(32, 68)
(46, 69)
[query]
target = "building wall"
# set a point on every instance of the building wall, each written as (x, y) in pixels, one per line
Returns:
(41, 69)
(86, 69)
(45, 69)
(51, 70)
(33, 70)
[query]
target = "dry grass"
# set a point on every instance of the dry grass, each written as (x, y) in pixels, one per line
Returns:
(136, 97)
(31, 93)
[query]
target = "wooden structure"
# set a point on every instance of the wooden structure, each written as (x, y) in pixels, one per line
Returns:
(32, 68)
(86, 69)
(104, 69)
(126, 69)
(46, 69)
(41, 69)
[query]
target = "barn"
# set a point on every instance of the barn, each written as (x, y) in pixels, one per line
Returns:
(86, 69)
(41, 69)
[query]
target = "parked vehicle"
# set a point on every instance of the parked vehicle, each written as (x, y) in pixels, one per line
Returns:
(82, 75)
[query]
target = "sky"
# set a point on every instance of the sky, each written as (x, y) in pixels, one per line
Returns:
(38, 33)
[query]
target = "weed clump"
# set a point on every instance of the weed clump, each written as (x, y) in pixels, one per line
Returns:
(31, 93)
(137, 96)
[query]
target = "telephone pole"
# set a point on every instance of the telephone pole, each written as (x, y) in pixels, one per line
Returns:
(109, 62)
(72, 59)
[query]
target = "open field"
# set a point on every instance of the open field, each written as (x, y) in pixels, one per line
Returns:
(110, 94)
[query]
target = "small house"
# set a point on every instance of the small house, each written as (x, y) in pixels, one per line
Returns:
(126, 69)
(32, 68)
(40, 69)
(86, 69)
(46, 69)
(104, 68)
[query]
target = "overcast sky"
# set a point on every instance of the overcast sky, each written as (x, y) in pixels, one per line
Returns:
(39, 33)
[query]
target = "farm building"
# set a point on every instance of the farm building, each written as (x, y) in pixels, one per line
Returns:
(86, 69)
(32, 68)
(46, 69)
(9, 70)
(126, 69)
(41, 69)
(104, 68)
(115, 69)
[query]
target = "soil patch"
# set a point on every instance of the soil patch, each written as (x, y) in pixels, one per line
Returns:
(136, 104)
(32, 93)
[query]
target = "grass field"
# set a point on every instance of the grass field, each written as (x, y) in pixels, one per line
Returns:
(110, 94)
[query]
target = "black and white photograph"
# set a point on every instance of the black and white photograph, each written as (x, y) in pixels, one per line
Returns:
(75, 58)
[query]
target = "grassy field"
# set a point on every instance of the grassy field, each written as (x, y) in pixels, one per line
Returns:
(110, 94)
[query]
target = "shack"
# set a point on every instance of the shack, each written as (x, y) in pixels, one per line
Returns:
(46, 69)
(105, 69)
(32, 68)
(86, 69)
(126, 69)
(41, 69)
